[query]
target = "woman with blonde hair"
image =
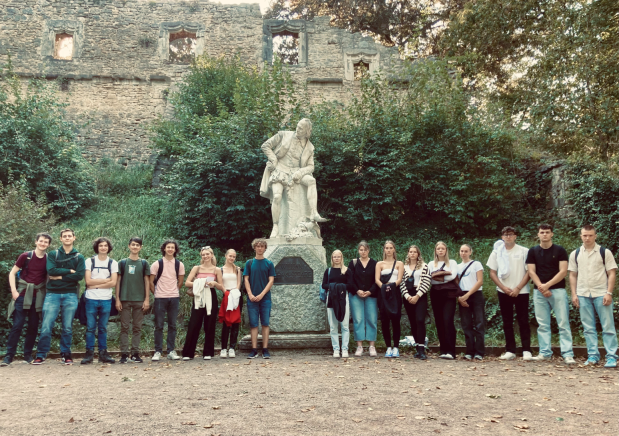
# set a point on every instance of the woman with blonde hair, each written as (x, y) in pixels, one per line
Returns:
(231, 305)
(338, 309)
(414, 288)
(201, 283)
(445, 290)
(388, 277)
(471, 299)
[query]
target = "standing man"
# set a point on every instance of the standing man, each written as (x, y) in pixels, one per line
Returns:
(132, 299)
(259, 275)
(508, 270)
(166, 279)
(65, 268)
(592, 279)
(101, 276)
(28, 294)
(291, 161)
(548, 267)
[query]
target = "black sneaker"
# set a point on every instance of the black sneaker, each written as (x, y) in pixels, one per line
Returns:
(28, 359)
(38, 361)
(136, 358)
(124, 358)
(6, 361)
(104, 357)
(253, 354)
(265, 353)
(88, 357)
(67, 359)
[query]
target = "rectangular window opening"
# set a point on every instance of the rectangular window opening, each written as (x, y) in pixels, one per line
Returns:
(63, 48)
(182, 47)
(286, 46)
(361, 70)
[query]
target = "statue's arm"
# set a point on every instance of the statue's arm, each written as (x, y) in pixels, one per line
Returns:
(270, 144)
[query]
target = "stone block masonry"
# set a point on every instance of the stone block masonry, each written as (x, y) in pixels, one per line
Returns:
(118, 74)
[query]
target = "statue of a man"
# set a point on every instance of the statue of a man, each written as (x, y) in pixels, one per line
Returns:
(291, 161)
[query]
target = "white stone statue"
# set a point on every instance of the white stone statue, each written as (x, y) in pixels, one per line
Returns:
(289, 184)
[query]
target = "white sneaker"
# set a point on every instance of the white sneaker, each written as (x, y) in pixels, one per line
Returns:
(569, 360)
(526, 355)
(541, 357)
(173, 356)
(359, 352)
(448, 357)
(345, 354)
(156, 356)
(186, 358)
(336, 354)
(468, 357)
(223, 354)
(373, 351)
(207, 357)
(231, 353)
(508, 355)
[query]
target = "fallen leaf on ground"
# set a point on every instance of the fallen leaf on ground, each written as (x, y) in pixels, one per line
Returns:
(71, 420)
(216, 407)
(418, 417)
(357, 420)
(188, 423)
(208, 426)
(560, 419)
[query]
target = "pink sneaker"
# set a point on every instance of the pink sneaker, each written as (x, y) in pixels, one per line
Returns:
(359, 352)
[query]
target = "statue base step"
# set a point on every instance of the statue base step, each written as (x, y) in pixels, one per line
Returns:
(290, 341)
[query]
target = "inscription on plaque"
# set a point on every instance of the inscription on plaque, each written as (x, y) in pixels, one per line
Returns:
(293, 271)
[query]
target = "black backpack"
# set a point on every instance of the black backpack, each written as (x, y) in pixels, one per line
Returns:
(80, 313)
(602, 253)
(177, 267)
(30, 255)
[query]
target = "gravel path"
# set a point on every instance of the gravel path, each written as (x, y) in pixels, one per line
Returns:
(309, 393)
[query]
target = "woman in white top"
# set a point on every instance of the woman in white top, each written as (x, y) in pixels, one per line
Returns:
(414, 288)
(444, 273)
(199, 316)
(472, 317)
(231, 305)
(388, 276)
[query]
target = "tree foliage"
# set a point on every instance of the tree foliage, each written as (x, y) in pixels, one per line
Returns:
(38, 145)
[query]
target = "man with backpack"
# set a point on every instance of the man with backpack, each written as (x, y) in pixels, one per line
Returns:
(166, 279)
(27, 281)
(65, 268)
(101, 276)
(592, 280)
(132, 299)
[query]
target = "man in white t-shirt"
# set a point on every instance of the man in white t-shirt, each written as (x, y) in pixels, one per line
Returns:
(101, 275)
(513, 292)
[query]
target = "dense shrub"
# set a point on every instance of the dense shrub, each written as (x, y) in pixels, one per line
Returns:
(36, 143)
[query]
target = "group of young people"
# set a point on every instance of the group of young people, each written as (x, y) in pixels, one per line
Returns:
(48, 283)
(367, 288)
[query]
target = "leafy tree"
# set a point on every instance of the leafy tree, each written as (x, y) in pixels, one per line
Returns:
(38, 145)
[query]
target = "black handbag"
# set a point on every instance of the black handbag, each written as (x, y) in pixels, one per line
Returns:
(390, 296)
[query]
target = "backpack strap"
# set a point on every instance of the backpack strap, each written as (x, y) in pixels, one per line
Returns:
(602, 253)
(177, 267)
(465, 269)
(159, 271)
(576, 255)
(92, 263)
(144, 267)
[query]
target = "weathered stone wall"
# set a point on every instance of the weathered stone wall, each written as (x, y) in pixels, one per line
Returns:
(119, 76)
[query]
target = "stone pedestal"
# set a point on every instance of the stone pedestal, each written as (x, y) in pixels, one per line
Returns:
(298, 317)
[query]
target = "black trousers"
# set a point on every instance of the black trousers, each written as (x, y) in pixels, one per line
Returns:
(444, 310)
(507, 305)
(198, 319)
(417, 317)
(388, 320)
(473, 321)
(231, 332)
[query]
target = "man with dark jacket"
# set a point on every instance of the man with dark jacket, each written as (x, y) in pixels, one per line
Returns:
(66, 268)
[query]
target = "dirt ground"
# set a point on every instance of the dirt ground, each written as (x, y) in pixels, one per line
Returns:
(309, 393)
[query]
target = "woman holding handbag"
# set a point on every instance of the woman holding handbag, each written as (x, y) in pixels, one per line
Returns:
(415, 286)
(363, 294)
(388, 276)
(471, 299)
(445, 291)
(334, 284)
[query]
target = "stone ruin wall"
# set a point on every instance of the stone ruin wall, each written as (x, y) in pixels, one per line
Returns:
(119, 76)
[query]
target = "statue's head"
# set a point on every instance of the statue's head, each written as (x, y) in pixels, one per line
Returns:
(304, 128)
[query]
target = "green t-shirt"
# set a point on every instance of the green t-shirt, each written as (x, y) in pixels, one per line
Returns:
(132, 287)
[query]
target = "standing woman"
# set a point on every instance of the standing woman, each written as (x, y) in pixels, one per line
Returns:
(363, 294)
(231, 304)
(335, 282)
(415, 286)
(472, 317)
(445, 291)
(388, 277)
(202, 281)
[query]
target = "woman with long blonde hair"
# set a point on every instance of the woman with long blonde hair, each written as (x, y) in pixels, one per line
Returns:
(338, 308)
(415, 286)
(445, 291)
(388, 277)
(201, 283)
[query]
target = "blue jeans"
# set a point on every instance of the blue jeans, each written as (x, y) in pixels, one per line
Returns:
(588, 307)
(97, 309)
(19, 319)
(364, 317)
(66, 304)
(260, 311)
(559, 304)
(163, 307)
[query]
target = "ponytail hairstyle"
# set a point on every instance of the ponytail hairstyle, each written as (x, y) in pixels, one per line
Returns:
(470, 248)
(436, 261)
(395, 255)
(213, 258)
(419, 263)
